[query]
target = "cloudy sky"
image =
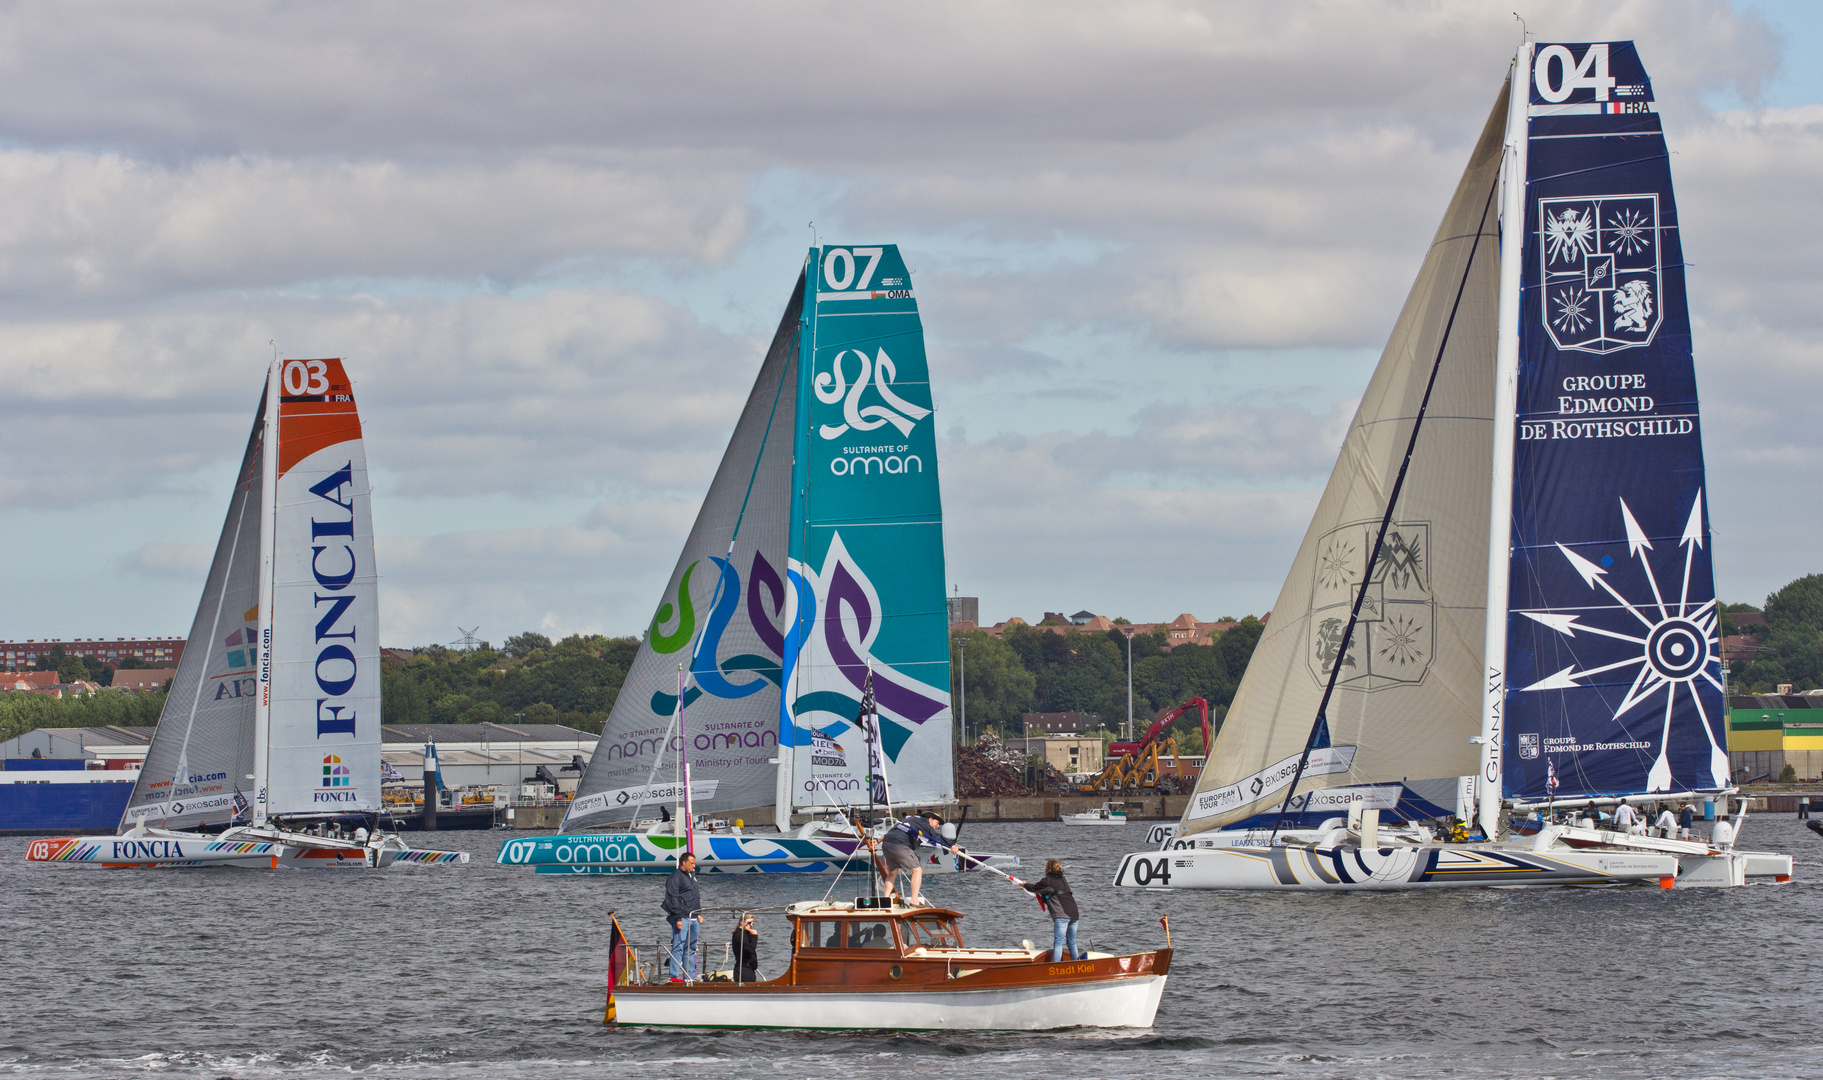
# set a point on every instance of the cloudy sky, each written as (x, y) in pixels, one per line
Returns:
(1157, 247)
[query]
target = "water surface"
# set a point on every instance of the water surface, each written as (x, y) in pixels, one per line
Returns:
(488, 971)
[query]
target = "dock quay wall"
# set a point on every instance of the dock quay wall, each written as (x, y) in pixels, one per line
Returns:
(1022, 808)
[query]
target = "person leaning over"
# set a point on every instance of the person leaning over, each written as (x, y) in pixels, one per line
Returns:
(1060, 905)
(746, 945)
(899, 851)
(682, 902)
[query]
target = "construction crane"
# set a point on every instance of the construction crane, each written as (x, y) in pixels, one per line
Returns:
(1135, 766)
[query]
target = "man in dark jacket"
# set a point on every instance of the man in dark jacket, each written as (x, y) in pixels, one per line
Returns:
(682, 902)
(1060, 905)
(899, 851)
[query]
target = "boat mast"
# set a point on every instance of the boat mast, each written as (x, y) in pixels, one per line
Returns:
(783, 790)
(1506, 398)
(262, 705)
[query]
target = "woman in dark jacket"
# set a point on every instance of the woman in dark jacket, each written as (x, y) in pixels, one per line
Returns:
(1060, 904)
(746, 951)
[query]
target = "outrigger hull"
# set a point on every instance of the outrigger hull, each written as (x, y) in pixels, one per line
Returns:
(1347, 868)
(641, 853)
(1120, 1003)
(182, 850)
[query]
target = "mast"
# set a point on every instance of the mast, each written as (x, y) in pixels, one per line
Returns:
(796, 634)
(262, 706)
(1506, 408)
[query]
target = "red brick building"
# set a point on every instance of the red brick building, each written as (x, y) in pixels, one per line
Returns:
(159, 652)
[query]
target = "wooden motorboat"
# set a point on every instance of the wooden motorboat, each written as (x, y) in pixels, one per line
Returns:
(857, 966)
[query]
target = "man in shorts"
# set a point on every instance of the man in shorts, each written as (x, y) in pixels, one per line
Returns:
(899, 851)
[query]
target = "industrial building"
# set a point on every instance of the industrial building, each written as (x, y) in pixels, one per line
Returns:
(1767, 732)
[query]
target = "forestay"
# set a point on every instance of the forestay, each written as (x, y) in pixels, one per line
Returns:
(198, 767)
(721, 617)
(1407, 697)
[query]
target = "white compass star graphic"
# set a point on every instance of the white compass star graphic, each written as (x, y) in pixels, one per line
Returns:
(1678, 648)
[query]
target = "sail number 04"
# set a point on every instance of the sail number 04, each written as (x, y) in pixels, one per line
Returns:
(1148, 871)
(306, 377)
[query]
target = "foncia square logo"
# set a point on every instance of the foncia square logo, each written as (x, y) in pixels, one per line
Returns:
(242, 646)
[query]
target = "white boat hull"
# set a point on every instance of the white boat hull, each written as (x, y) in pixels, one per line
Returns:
(1093, 819)
(240, 847)
(1125, 1003)
(1433, 866)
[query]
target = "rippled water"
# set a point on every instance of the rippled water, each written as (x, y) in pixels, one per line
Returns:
(488, 971)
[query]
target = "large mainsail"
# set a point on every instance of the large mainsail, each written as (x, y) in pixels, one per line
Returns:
(323, 732)
(1407, 699)
(201, 757)
(866, 549)
(1613, 662)
(721, 617)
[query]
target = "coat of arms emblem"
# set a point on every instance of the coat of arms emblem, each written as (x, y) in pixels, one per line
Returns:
(1396, 634)
(1601, 271)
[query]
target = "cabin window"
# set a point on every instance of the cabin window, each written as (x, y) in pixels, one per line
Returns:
(820, 933)
(875, 935)
(931, 933)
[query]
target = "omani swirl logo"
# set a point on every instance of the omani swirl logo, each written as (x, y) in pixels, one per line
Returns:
(832, 387)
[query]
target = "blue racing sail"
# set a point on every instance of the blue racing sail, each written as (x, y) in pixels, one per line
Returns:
(1612, 655)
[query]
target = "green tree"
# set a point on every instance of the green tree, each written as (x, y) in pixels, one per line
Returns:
(999, 687)
(1792, 642)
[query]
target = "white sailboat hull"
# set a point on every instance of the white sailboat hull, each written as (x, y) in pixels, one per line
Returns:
(1433, 866)
(242, 848)
(1126, 1003)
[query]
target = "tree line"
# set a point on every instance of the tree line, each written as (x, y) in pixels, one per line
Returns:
(574, 681)
(1790, 642)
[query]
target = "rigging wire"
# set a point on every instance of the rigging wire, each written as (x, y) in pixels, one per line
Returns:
(1321, 723)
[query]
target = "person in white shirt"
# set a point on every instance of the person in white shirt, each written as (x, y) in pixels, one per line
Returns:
(1623, 818)
(1667, 823)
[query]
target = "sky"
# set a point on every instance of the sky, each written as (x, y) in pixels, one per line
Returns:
(1157, 249)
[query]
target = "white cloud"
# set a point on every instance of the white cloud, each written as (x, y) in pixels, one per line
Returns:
(549, 239)
(181, 562)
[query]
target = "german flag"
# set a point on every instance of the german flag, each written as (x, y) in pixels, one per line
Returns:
(617, 963)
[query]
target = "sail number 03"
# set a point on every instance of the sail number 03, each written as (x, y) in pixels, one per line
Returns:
(306, 377)
(1148, 871)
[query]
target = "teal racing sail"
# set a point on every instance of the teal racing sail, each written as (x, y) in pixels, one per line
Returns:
(817, 555)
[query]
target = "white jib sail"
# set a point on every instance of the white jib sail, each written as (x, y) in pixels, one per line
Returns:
(1408, 699)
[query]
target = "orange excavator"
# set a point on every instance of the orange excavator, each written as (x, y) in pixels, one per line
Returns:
(1134, 766)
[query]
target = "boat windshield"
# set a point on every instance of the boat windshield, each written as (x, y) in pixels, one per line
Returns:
(844, 934)
(932, 933)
